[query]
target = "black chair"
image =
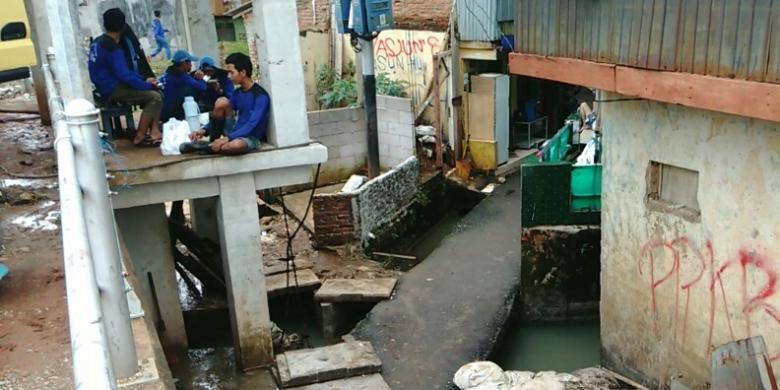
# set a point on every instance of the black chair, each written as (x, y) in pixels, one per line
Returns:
(111, 113)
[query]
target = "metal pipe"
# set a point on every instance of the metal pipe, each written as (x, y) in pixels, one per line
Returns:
(82, 118)
(91, 360)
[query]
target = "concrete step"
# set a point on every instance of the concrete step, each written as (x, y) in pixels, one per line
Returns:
(285, 283)
(273, 267)
(317, 365)
(366, 382)
(355, 290)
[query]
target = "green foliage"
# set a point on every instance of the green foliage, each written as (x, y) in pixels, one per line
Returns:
(389, 87)
(326, 77)
(343, 94)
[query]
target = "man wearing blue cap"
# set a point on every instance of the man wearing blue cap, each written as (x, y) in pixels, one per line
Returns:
(178, 84)
(218, 84)
(113, 79)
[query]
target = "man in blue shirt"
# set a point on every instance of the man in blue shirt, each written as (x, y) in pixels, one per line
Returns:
(159, 37)
(218, 84)
(178, 83)
(115, 81)
(247, 128)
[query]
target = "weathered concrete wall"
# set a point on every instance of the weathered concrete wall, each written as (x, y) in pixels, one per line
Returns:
(405, 55)
(315, 50)
(396, 130)
(343, 131)
(673, 289)
(381, 199)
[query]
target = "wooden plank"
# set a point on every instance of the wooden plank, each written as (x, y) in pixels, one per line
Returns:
(279, 267)
(566, 70)
(702, 40)
(715, 37)
(687, 50)
(759, 51)
(366, 382)
(728, 50)
(738, 97)
(308, 366)
(670, 41)
(285, 283)
(744, 37)
(355, 290)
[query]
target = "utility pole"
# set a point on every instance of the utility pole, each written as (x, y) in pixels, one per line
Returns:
(369, 93)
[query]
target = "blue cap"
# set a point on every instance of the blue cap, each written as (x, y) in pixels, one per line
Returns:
(207, 62)
(182, 56)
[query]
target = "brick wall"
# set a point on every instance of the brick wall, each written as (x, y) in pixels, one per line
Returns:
(343, 132)
(315, 18)
(432, 15)
(334, 222)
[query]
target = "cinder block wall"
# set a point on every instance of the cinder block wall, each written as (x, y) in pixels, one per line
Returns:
(396, 130)
(343, 132)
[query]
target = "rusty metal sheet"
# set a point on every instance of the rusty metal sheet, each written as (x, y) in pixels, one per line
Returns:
(670, 38)
(717, 16)
(702, 37)
(728, 41)
(686, 52)
(773, 64)
(571, 32)
(759, 47)
(656, 35)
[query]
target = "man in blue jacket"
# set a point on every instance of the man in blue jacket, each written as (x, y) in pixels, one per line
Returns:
(178, 83)
(218, 84)
(240, 133)
(159, 36)
(115, 81)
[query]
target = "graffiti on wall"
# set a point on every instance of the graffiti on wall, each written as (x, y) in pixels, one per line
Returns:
(408, 56)
(739, 285)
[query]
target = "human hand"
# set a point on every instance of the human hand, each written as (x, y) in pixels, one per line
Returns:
(217, 145)
(196, 135)
(199, 75)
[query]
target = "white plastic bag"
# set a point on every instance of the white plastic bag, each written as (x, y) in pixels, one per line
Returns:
(481, 376)
(175, 133)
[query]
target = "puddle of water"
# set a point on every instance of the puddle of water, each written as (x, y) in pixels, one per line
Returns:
(214, 368)
(44, 222)
(544, 347)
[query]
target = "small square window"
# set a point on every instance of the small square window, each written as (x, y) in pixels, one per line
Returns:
(674, 190)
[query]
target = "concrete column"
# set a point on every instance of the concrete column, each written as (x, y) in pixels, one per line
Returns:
(145, 231)
(203, 217)
(281, 69)
(239, 233)
(71, 65)
(203, 28)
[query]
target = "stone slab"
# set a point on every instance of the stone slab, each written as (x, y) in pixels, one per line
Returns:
(366, 382)
(276, 285)
(309, 366)
(273, 267)
(355, 290)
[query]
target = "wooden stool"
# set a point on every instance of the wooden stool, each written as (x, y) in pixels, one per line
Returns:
(111, 113)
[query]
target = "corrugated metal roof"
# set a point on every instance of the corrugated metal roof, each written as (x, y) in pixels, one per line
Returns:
(724, 38)
(505, 10)
(477, 20)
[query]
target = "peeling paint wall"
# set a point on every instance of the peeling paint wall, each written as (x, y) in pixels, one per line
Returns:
(673, 289)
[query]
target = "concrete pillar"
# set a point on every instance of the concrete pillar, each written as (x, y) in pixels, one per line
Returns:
(41, 36)
(281, 69)
(329, 320)
(145, 232)
(69, 49)
(203, 28)
(239, 233)
(203, 217)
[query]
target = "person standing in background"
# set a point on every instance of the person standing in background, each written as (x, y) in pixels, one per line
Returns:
(159, 37)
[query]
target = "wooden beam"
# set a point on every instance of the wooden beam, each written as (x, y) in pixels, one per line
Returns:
(737, 97)
(566, 70)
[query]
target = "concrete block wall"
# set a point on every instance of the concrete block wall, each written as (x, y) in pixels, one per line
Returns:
(334, 222)
(396, 130)
(381, 199)
(343, 132)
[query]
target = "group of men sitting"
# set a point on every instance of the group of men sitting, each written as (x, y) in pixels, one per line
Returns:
(238, 107)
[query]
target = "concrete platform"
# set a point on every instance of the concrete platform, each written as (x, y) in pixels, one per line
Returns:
(450, 309)
(277, 285)
(309, 366)
(355, 290)
(366, 382)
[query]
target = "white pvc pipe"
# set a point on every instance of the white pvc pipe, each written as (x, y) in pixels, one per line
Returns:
(92, 367)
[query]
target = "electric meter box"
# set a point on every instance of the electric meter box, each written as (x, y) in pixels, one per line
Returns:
(368, 16)
(341, 10)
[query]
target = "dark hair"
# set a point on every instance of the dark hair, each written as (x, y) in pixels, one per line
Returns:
(114, 20)
(241, 62)
(157, 13)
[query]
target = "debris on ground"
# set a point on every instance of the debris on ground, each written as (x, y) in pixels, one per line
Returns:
(489, 376)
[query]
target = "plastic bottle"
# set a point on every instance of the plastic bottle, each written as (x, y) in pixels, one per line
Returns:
(191, 112)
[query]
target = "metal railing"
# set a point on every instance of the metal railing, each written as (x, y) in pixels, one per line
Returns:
(101, 339)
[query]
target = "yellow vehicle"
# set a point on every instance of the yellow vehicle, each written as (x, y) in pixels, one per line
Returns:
(17, 53)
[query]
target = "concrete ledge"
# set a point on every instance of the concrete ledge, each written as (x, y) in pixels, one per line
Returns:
(338, 361)
(366, 382)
